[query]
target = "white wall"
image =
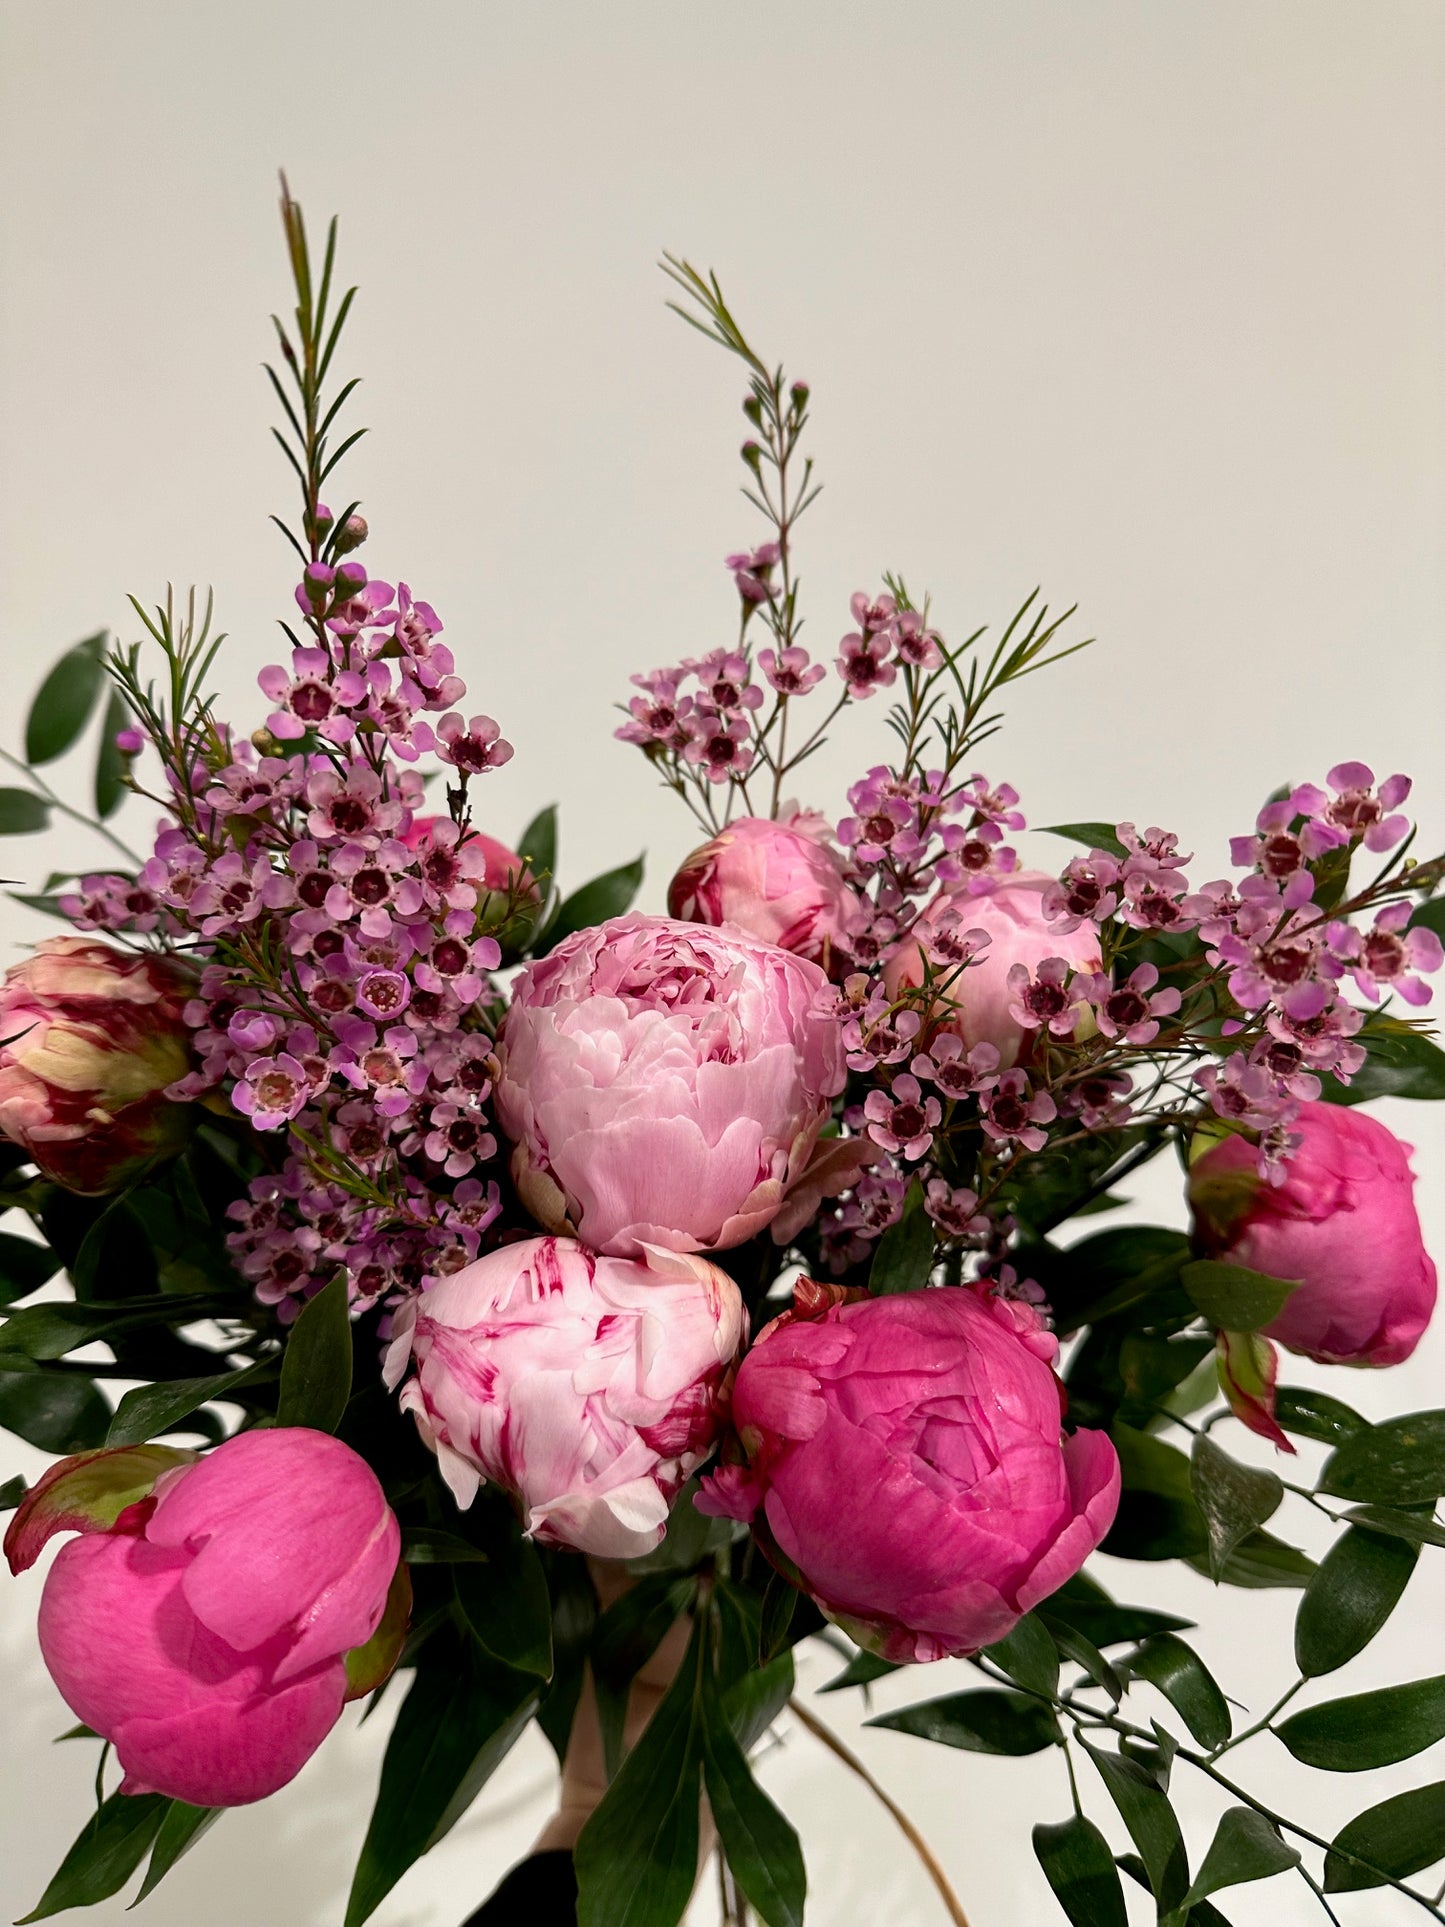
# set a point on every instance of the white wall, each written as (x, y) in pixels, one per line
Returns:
(1139, 301)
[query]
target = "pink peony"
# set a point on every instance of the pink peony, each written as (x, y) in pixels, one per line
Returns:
(589, 1387)
(1011, 915)
(664, 1083)
(905, 1467)
(1342, 1221)
(204, 1630)
(782, 883)
(89, 1039)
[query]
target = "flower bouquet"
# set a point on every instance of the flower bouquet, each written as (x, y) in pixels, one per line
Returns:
(529, 1307)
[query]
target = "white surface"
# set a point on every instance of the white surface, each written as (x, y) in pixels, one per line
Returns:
(1139, 301)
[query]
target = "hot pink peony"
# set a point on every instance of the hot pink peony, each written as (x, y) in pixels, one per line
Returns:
(664, 1083)
(589, 1387)
(1011, 916)
(89, 1039)
(906, 1467)
(1343, 1221)
(204, 1630)
(781, 882)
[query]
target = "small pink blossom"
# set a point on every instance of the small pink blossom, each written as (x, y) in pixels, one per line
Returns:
(916, 646)
(956, 1212)
(314, 696)
(273, 1091)
(1389, 956)
(791, 672)
(1015, 1114)
(1131, 1011)
(472, 747)
(957, 1072)
(864, 665)
(1044, 997)
(718, 745)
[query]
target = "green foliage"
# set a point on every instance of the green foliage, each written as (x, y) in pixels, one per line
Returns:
(1401, 1461)
(316, 1366)
(1399, 1062)
(1246, 1846)
(109, 762)
(107, 1852)
(1357, 1587)
(22, 812)
(1094, 836)
(986, 1721)
(903, 1258)
(53, 1412)
(1186, 1682)
(1315, 1415)
(762, 1848)
(179, 1832)
(24, 1266)
(1079, 1866)
(1233, 1498)
(150, 1411)
(65, 701)
(1396, 1838)
(1028, 1655)
(537, 846)
(1152, 1825)
(1234, 1298)
(607, 896)
(1368, 1729)
(507, 1606)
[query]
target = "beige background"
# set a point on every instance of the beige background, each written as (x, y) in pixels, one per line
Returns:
(1142, 302)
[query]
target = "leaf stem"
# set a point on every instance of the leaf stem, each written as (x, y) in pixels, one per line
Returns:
(910, 1833)
(43, 789)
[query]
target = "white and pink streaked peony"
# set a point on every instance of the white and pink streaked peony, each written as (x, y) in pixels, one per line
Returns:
(781, 882)
(664, 1084)
(588, 1387)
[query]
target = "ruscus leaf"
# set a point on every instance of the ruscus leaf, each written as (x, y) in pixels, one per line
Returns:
(1399, 1837)
(22, 812)
(1079, 1866)
(903, 1259)
(64, 701)
(1401, 1461)
(986, 1721)
(1232, 1297)
(316, 1365)
(1357, 1587)
(1367, 1730)
(1186, 1682)
(1235, 1499)
(610, 895)
(1245, 1847)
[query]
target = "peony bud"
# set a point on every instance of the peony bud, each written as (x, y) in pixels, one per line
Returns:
(216, 1614)
(90, 1038)
(588, 1387)
(905, 1467)
(782, 883)
(665, 1084)
(1342, 1221)
(1011, 916)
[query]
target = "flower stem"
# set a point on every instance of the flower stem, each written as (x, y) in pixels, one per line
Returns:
(910, 1833)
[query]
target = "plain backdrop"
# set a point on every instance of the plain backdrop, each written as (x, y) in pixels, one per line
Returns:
(1136, 300)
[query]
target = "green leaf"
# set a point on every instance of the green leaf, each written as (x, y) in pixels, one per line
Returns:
(508, 1607)
(596, 902)
(316, 1365)
(625, 1638)
(110, 1848)
(1186, 1682)
(1157, 1516)
(780, 1601)
(427, 1546)
(1430, 916)
(1147, 1814)
(762, 1848)
(1079, 1865)
(1419, 1530)
(1152, 1367)
(1234, 1298)
(538, 844)
(65, 699)
(1083, 1604)
(12, 1492)
(636, 1858)
(753, 1702)
(1234, 1499)
(1245, 1846)
(862, 1669)
(1260, 1562)
(1368, 1729)
(1398, 1063)
(179, 1832)
(986, 1721)
(690, 1537)
(1315, 1415)
(1357, 1587)
(1096, 836)
(456, 1725)
(25, 1265)
(1028, 1654)
(903, 1259)
(1113, 1271)
(109, 763)
(1398, 1462)
(54, 1412)
(1399, 1837)
(22, 812)
(149, 1411)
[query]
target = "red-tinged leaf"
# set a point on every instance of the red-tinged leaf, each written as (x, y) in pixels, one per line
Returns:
(86, 1493)
(367, 1666)
(1248, 1372)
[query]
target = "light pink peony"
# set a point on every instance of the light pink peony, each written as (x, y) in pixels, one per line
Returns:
(906, 1468)
(664, 1083)
(1012, 917)
(89, 1039)
(204, 1631)
(1343, 1221)
(781, 882)
(589, 1387)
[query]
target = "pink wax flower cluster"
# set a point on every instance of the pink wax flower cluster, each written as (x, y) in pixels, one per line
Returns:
(664, 1083)
(204, 1630)
(1342, 1222)
(780, 882)
(91, 1038)
(905, 1465)
(589, 1387)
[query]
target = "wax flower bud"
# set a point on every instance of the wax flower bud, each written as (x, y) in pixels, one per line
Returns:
(781, 882)
(588, 1387)
(352, 533)
(216, 1614)
(905, 1466)
(90, 1037)
(1342, 1221)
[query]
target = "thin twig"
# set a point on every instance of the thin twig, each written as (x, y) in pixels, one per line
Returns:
(914, 1838)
